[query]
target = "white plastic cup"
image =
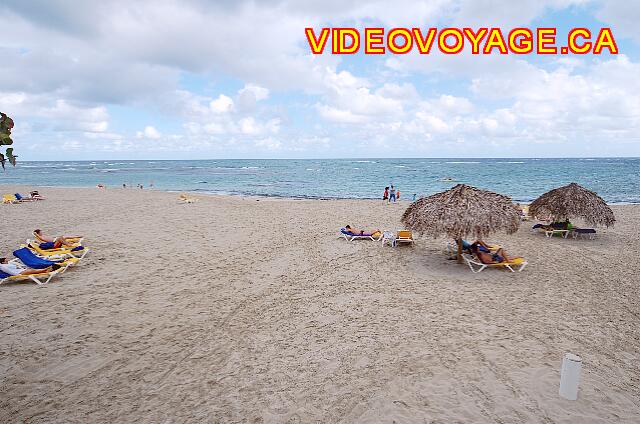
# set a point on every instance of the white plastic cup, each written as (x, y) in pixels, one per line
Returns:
(570, 376)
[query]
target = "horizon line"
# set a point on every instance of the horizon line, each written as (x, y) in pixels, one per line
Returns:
(336, 158)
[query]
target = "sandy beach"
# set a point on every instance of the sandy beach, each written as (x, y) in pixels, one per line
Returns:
(252, 310)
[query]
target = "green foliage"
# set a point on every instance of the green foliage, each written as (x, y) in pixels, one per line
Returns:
(6, 125)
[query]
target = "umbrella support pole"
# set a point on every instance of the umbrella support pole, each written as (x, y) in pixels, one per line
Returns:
(459, 255)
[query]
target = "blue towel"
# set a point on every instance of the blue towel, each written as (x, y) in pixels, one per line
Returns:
(4, 275)
(77, 248)
(29, 258)
(18, 196)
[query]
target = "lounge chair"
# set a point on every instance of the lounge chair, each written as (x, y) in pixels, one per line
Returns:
(388, 237)
(74, 240)
(40, 278)
(186, 199)
(9, 199)
(477, 266)
(404, 236)
(28, 258)
(588, 233)
(551, 230)
(349, 236)
(22, 198)
(46, 250)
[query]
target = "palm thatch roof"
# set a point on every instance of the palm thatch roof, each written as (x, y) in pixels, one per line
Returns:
(461, 212)
(573, 201)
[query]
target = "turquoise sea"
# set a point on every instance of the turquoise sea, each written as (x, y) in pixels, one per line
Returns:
(617, 180)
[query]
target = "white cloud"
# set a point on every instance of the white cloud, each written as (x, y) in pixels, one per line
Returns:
(149, 132)
(62, 75)
(222, 104)
(623, 16)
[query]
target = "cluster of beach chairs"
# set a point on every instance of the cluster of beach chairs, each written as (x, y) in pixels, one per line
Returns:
(39, 260)
(564, 230)
(386, 237)
(406, 236)
(11, 199)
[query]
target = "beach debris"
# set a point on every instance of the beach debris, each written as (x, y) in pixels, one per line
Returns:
(461, 212)
(573, 201)
(570, 376)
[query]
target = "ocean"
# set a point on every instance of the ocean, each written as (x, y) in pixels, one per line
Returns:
(617, 180)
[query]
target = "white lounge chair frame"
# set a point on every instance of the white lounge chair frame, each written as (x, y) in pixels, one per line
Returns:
(388, 237)
(476, 266)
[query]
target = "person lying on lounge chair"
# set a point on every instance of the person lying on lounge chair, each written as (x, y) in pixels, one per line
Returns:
(479, 244)
(13, 269)
(360, 232)
(57, 241)
(497, 257)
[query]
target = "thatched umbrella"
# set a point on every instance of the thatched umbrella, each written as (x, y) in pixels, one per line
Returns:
(573, 201)
(462, 211)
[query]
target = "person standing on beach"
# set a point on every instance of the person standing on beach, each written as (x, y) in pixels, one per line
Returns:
(398, 194)
(385, 195)
(392, 194)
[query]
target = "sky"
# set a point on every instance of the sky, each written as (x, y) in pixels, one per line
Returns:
(195, 79)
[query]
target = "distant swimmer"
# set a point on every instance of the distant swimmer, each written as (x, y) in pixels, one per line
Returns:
(447, 179)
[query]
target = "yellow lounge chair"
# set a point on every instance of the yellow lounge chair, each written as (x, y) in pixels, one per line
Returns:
(74, 240)
(9, 199)
(25, 257)
(525, 213)
(186, 199)
(477, 266)
(38, 278)
(404, 236)
(55, 254)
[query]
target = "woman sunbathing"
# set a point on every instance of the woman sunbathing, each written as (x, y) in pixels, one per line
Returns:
(57, 241)
(486, 257)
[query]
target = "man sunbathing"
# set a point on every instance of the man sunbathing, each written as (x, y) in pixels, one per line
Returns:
(486, 257)
(57, 241)
(14, 269)
(360, 232)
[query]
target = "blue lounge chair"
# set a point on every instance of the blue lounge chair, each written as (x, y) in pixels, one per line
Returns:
(31, 260)
(22, 198)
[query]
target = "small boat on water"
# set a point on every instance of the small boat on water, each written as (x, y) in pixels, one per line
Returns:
(448, 180)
